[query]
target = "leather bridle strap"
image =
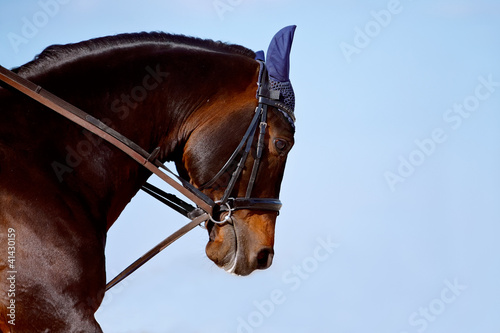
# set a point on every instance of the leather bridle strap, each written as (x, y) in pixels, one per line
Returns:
(249, 133)
(98, 128)
(259, 121)
(157, 249)
(169, 199)
(253, 203)
(241, 164)
(260, 148)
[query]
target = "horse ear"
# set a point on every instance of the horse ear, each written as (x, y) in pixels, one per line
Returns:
(278, 54)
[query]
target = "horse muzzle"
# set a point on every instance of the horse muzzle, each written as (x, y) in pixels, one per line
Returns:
(244, 243)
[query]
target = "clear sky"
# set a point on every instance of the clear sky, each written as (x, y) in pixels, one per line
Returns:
(391, 195)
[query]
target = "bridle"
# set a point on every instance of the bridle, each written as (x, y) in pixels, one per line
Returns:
(227, 203)
(206, 208)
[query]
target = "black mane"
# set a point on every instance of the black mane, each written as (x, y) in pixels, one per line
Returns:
(56, 53)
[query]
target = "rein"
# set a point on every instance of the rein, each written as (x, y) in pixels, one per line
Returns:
(206, 207)
(97, 127)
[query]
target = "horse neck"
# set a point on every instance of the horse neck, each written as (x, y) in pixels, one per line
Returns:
(156, 100)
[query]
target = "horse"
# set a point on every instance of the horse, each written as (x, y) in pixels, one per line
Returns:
(62, 188)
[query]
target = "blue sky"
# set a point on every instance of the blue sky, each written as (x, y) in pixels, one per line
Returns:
(391, 193)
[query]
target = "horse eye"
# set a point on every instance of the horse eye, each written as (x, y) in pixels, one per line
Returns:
(280, 144)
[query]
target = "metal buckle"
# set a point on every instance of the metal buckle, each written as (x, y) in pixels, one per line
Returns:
(228, 216)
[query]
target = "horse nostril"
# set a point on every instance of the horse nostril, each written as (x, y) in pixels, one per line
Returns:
(265, 258)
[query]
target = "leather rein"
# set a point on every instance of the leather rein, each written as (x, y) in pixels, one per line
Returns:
(206, 208)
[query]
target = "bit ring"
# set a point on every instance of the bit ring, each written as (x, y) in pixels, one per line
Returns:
(228, 216)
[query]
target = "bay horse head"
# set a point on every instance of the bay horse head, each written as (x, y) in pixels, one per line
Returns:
(244, 240)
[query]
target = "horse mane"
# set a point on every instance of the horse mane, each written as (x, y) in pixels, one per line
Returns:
(56, 53)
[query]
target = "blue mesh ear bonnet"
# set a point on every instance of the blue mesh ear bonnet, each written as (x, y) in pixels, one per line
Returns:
(278, 67)
(287, 96)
